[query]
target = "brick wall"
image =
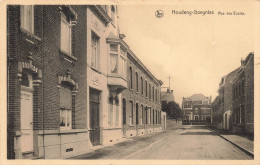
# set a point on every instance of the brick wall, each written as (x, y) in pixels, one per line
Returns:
(249, 95)
(44, 47)
(137, 97)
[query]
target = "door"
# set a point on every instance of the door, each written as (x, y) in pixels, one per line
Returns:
(94, 132)
(26, 121)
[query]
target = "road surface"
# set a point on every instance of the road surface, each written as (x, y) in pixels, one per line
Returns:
(177, 143)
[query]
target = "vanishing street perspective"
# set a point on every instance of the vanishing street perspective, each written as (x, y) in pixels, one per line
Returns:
(77, 90)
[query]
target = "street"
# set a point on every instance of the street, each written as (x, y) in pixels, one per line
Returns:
(177, 142)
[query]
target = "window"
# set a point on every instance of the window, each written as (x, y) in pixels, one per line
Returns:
(146, 90)
(110, 114)
(131, 78)
(150, 116)
(156, 99)
(136, 80)
(150, 92)
(27, 18)
(142, 115)
(136, 116)
(65, 34)
(113, 14)
(117, 115)
(113, 63)
(123, 68)
(94, 50)
(65, 107)
(153, 117)
(131, 122)
(124, 111)
(142, 85)
(146, 115)
(153, 93)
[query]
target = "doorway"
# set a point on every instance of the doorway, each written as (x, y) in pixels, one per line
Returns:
(94, 103)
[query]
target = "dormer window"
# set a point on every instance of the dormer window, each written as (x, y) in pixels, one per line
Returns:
(27, 18)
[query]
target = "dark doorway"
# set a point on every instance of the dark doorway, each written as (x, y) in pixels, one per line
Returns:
(94, 102)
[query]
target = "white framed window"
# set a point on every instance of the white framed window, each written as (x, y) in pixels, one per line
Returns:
(27, 17)
(65, 107)
(94, 50)
(65, 41)
(117, 60)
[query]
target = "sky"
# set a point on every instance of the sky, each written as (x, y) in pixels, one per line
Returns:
(196, 51)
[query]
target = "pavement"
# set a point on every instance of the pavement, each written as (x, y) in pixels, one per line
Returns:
(241, 142)
(183, 142)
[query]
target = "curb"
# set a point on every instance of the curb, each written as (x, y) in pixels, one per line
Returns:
(235, 144)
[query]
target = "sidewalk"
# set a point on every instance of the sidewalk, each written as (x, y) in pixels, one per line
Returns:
(239, 141)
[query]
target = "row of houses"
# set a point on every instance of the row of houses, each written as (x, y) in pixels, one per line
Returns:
(73, 83)
(233, 108)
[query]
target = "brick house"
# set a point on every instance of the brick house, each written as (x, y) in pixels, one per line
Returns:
(243, 97)
(46, 81)
(141, 101)
(197, 107)
(224, 99)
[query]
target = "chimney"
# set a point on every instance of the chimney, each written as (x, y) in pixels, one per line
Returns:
(168, 90)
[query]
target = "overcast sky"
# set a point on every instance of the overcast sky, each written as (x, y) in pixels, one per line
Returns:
(196, 51)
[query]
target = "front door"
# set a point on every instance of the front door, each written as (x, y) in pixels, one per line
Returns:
(26, 121)
(94, 117)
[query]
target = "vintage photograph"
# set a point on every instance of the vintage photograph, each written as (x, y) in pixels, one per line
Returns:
(138, 81)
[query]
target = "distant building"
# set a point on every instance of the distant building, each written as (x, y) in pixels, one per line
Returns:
(167, 96)
(196, 107)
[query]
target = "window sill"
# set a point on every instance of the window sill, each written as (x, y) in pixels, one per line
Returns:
(71, 57)
(30, 34)
(131, 125)
(95, 69)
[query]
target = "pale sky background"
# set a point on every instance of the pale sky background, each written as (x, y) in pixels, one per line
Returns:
(196, 51)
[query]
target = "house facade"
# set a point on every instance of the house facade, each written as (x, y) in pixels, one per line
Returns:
(69, 87)
(46, 81)
(224, 101)
(197, 107)
(243, 97)
(233, 108)
(106, 74)
(141, 101)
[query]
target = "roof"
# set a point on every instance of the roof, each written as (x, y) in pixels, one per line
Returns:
(197, 97)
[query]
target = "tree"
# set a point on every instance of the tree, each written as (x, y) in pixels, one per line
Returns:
(172, 109)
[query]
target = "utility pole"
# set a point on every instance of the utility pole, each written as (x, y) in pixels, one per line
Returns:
(169, 82)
